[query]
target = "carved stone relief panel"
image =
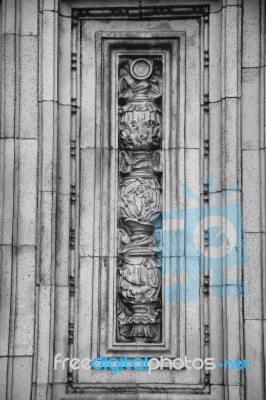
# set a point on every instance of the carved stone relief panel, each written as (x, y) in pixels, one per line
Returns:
(136, 88)
(140, 199)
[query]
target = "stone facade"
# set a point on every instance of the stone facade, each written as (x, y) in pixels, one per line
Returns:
(108, 108)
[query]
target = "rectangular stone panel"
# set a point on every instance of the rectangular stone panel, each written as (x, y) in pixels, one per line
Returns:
(132, 133)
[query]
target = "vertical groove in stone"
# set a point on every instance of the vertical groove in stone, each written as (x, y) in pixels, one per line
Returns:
(73, 234)
(205, 174)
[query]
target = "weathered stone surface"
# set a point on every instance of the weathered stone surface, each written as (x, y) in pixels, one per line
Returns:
(25, 301)
(9, 17)
(60, 198)
(27, 205)
(64, 83)
(215, 146)
(49, 5)
(251, 108)
(251, 33)
(62, 240)
(5, 298)
(8, 120)
(254, 355)
(45, 239)
(233, 332)
(230, 143)
(42, 375)
(48, 73)
(251, 190)
(7, 168)
(3, 369)
(63, 145)
(253, 277)
(231, 51)
(29, 17)
(48, 110)
(21, 382)
(28, 87)
(215, 57)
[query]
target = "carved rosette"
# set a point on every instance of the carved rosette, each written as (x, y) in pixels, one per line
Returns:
(140, 201)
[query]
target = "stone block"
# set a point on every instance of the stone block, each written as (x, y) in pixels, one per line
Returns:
(263, 189)
(49, 5)
(40, 391)
(5, 298)
(48, 120)
(8, 87)
(46, 244)
(251, 108)
(234, 393)
(63, 146)
(27, 205)
(62, 239)
(61, 329)
(25, 301)
(192, 308)
(233, 324)
(64, 8)
(9, 16)
(251, 190)
(253, 299)
(251, 33)
(64, 60)
(231, 50)
(216, 334)
(28, 87)
(22, 373)
(215, 65)
(29, 17)
(192, 165)
(7, 166)
(230, 3)
(86, 306)
(264, 339)
(264, 274)
(109, 195)
(88, 84)
(49, 76)
(44, 330)
(193, 78)
(215, 146)
(3, 377)
(215, 6)
(230, 145)
(254, 355)
(87, 200)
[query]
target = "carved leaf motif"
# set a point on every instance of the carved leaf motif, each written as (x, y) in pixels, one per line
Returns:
(141, 198)
(125, 162)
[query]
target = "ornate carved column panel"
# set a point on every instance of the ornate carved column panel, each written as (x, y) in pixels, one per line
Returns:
(140, 201)
(139, 135)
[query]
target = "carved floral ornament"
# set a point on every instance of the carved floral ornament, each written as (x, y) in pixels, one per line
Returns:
(140, 200)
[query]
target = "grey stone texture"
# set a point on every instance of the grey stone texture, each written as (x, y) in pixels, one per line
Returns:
(59, 191)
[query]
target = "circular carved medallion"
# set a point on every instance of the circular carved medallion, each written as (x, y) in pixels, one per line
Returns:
(141, 68)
